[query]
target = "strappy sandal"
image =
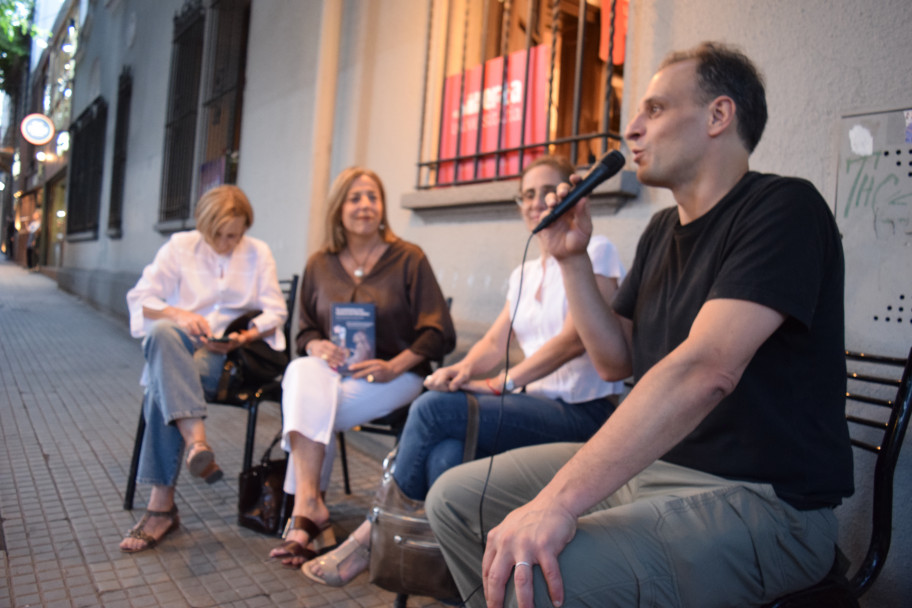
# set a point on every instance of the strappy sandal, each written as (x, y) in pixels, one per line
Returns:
(293, 553)
(330, 562)
(201, 462)
(139, 531)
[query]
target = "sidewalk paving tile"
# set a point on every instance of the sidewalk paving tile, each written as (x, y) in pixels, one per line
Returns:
(69, 402)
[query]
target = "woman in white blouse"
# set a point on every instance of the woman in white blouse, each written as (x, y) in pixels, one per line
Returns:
(197, 284)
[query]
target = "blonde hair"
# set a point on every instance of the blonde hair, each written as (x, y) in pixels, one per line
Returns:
(219, 206)
(558, 163)
(334, 239)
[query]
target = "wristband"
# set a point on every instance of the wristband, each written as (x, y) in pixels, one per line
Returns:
(491, 386)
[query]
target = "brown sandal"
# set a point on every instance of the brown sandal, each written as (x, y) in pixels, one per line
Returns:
(293, 553)
(201, 462)
(139, 531)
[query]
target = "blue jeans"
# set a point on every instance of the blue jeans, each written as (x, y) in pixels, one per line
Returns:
(434, 434)
(180, 374)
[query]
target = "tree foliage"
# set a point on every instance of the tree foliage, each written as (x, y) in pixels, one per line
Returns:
(15, 42)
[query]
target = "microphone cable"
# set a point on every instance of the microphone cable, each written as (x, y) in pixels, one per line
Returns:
(503, 394)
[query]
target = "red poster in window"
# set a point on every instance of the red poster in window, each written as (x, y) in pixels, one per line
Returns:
(621, 10)
(455, 91)
(487, 105)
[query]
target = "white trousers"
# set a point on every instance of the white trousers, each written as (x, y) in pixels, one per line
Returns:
(317, 402)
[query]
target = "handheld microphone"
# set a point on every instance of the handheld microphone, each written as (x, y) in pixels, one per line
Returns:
(608, 165)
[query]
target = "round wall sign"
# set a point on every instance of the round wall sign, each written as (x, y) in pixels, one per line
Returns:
(37, 129)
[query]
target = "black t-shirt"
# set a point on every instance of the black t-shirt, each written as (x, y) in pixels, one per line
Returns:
(773, 241)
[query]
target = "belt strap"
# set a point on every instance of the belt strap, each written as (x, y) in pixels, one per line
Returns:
(471, 440)
(221, 392)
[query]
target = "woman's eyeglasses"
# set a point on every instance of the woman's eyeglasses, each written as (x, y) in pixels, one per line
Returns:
(527, 197)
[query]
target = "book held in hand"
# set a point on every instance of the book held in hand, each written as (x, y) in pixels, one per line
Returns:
(353, 328)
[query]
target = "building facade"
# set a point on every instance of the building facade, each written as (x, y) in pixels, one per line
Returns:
(280, 95)
(36, 138)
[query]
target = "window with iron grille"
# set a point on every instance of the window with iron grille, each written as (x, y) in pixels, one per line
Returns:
(183, 101)
(86, 170)
(121, 134)
(224, 93)
(508, 80)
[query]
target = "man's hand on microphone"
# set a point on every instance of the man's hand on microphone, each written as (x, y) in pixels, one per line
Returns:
(568, 235)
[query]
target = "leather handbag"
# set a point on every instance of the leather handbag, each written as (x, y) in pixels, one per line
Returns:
(404, 554)
(249, 366)
(260, 494)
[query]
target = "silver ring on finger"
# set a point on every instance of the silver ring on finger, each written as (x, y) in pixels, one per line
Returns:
(522, 564)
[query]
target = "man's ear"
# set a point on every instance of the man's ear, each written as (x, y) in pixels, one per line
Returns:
(721, 115)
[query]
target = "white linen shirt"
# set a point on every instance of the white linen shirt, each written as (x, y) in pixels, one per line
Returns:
(187, 273)
(539, 320)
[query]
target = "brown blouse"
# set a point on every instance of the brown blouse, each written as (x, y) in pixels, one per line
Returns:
(411, 310)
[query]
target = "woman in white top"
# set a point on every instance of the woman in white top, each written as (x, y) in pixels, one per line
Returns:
(197, 284)
(553, 394)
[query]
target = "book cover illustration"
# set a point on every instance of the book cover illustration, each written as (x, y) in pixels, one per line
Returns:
(353, 328)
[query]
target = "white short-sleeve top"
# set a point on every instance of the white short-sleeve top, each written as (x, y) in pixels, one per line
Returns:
(540, 319)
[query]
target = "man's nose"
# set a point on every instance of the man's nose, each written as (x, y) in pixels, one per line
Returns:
(634, 129)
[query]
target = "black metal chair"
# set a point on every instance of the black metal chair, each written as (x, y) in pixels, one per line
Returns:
(271, 391)
(390, 425)
(866, 386)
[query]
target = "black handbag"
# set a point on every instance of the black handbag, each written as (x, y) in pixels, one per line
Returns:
(260, 495)
(404, 554)
(249, 366)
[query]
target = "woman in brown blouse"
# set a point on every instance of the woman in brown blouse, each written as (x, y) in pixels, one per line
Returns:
(363, 262)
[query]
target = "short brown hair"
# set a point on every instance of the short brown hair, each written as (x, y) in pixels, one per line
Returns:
(219, 206)
(725, 70)
(334, 239)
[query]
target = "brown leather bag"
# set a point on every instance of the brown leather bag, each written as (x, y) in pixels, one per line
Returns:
(404, 554)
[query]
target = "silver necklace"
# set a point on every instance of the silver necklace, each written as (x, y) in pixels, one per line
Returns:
(359, 268)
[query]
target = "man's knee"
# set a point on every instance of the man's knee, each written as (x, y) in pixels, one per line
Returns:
(442, 492)
(450, 492)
